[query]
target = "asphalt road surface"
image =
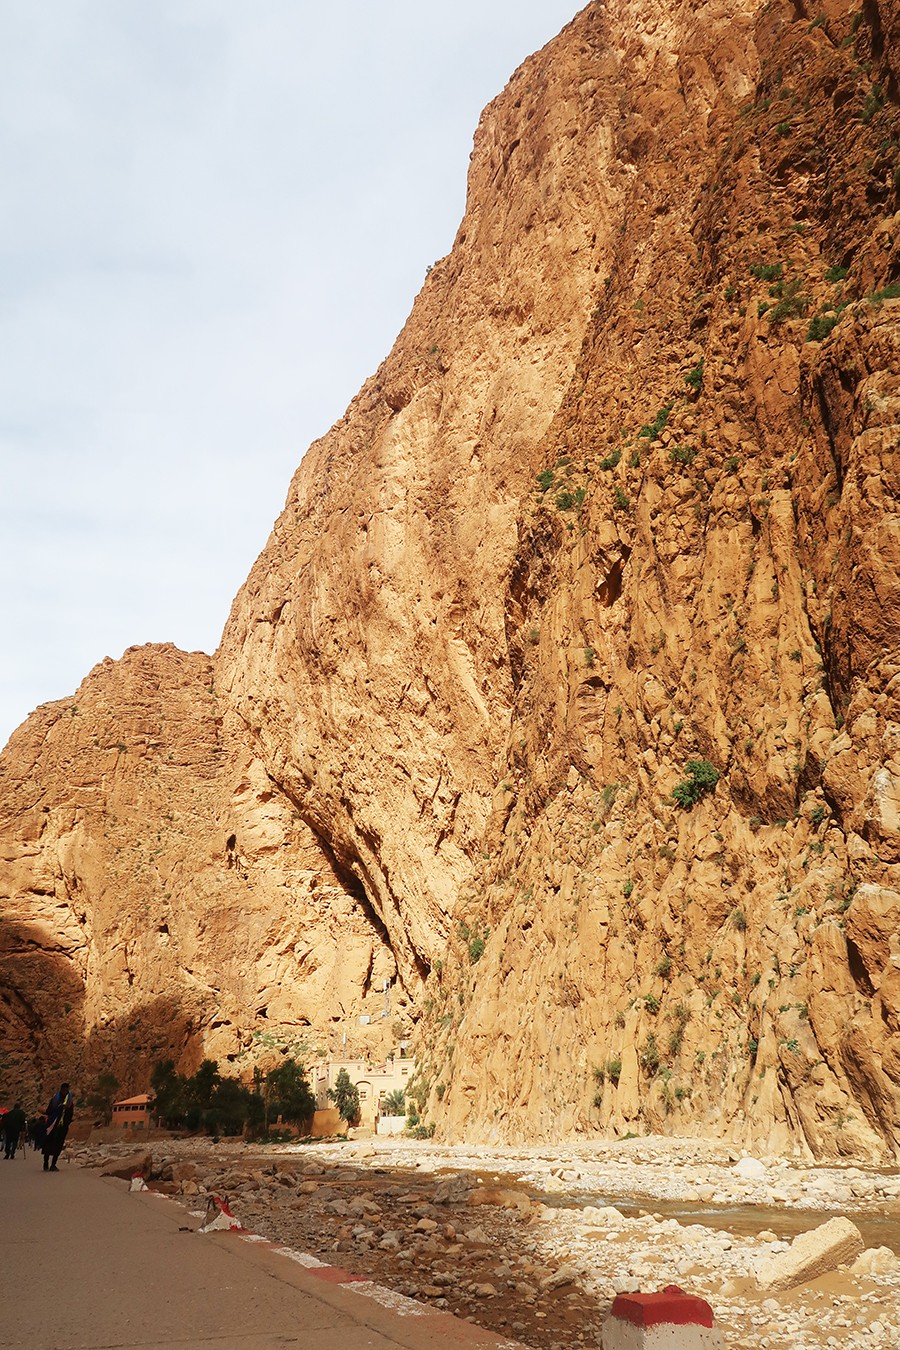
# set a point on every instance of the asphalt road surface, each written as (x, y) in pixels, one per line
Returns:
(85, 1263)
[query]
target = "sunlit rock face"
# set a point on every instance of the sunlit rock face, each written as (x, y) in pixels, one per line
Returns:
(622, 498)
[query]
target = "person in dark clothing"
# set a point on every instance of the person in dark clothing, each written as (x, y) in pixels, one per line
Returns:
(59, 1117)
(13, 1124)
(37, 1129)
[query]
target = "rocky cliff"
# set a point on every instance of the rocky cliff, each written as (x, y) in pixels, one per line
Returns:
(565, 696)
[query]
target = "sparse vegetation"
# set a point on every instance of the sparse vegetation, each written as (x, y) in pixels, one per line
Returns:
(653, 429)
(681, 1017)
(792, 304)
(820, 325)
(702, 777)
(694, 378)
(649, 1055)
(570, 500)
(767, 271)
(874, 102)
(611, 460)
(474, 940)
(891, 292)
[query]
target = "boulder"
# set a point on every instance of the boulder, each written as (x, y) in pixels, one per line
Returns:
(835, 1243)
(498, 1195)
(136, 1165)
(565, 1275)
(876, 1261)
(751, 1169)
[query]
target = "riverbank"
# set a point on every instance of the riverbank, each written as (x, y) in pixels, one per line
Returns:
(535, 1242)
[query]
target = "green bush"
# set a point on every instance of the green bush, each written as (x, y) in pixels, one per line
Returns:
(545, 479)
(836, 274)
(792, 305)
(652, 429)
(767, 271)
(570, 501)
(821, 325)
(683, 454)
(891, 292)
(649, 1055)
(614, 1071)
(611, 460)
(874, 102)
(694, 378)
(702, 777)
(621, 499)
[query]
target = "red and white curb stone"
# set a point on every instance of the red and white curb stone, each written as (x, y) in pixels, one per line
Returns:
(219, 1218)
(671, 1320)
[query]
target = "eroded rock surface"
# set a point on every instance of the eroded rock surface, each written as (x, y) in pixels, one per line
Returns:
(603, 512)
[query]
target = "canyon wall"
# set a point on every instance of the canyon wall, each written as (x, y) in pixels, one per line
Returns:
(620, 501)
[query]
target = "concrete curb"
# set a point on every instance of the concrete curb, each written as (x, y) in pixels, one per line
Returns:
(443, 1326)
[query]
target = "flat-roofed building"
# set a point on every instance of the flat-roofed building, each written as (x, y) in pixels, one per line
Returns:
(132, 1113)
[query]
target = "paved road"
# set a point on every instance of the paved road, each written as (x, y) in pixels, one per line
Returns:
(86, 1263)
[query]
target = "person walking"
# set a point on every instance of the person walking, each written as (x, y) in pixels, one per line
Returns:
(13, 1124)
(59, 1117)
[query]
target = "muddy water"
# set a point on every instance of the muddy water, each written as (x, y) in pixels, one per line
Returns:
(743, 1220)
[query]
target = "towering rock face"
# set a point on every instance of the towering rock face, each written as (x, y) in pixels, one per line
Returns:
(565, 696)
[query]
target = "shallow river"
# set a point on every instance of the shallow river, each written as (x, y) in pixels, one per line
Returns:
(742, 1220)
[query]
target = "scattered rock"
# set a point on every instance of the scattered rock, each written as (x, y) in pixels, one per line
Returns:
(835, 1243)
(876, 1261)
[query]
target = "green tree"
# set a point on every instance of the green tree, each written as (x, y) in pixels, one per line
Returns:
(345, 1096)
(394, 1104)
(286, 1093)
(168, 1089)
(104, 1094)
(231, 1108)
(199, 1092)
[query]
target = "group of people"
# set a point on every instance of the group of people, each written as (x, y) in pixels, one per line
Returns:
(47, 1132)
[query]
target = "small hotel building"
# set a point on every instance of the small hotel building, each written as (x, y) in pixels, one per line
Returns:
(133, 1113)
(374, 1081)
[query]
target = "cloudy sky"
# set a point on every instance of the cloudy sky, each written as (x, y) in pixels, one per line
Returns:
(218, 215)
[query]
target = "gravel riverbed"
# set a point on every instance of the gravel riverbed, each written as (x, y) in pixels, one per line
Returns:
(535, 1242)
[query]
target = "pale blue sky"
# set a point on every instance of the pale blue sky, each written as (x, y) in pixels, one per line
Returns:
(217, 216)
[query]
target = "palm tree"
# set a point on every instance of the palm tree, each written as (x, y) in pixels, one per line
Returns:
(394, 1104)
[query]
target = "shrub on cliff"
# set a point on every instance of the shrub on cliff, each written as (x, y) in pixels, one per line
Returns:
(702, 777)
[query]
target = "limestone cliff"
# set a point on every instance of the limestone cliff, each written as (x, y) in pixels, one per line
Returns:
(621, 499)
